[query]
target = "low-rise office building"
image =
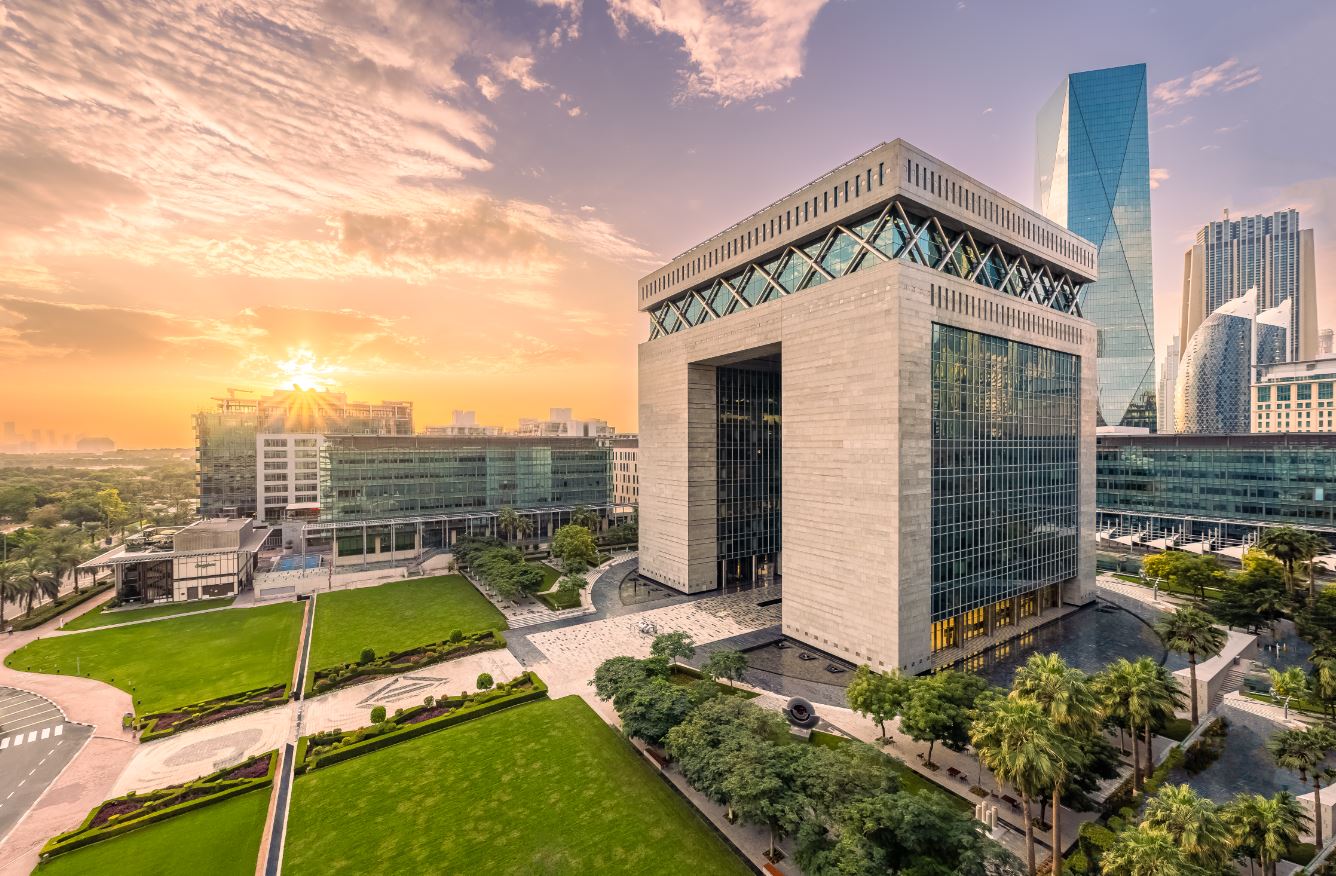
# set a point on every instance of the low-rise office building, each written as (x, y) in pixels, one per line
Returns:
(1295, 397)
(880, 388)
(625, 468)
(205, 560)
(1224, 489)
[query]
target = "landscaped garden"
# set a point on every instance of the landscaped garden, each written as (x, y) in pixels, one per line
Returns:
(546, 787)
(221, 839)
(171, 663)
(396, 617)
(103, 616)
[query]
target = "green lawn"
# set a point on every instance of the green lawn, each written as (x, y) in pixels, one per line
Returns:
(222, 839)
(550, 576)
(100, 618)
(541, 788)
(179, 661)
(397, 616)
(909, 780)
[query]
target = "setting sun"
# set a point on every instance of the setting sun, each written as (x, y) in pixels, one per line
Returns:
(304, 370)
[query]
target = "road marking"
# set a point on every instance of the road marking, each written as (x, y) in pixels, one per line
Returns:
(4, 743)
(46, 732)
(31, 771)
(59, 728)
(18, 740)
(32, 737)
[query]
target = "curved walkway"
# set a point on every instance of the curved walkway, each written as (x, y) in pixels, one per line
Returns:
(90, 777)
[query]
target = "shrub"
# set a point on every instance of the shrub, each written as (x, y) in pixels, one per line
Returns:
(378, 715)
(456, 636)
(429, 701)
(368, 654)
(484, 682)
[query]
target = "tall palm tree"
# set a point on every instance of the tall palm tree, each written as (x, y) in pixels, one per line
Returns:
(1193, 821)
(1163, 697)
(1289, 545)
(1069, 702)
(1265, 827)
(1305, 752)
(508, 521)
(11, 587)
(582, 516)
(1192, 632)
(36, 570)
(1117, 688)
(1014, 738)
(1145, 851)
(1322, 680)
(66, 554)
(1287, 685)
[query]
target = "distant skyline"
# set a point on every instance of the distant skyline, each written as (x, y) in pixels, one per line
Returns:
(450, 203)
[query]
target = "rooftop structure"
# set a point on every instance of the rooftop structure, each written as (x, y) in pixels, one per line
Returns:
(207, 559)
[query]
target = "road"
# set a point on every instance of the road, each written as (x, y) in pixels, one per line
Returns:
(36, 742)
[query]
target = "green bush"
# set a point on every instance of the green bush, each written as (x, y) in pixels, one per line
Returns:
(198, 713)
(378, 715)
(484, 682)
(456, 636)
(62, 604)
(368, 654)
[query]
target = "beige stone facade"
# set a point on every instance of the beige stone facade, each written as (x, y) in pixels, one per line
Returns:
(855, 360)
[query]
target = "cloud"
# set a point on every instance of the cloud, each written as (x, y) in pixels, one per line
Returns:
(1157, 176)
(739, 49)
(987, 111)
(1226, 76)
(40, 188)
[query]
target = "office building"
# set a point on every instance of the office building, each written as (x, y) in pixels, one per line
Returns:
(205, 560)
(229, 466)
(1324, 343)
(880, 389)
(1224, 489)
(464, 424)
(561, 424)
(1271, 254)
(1092, 175)
(1295, 397)
(392, 497)
(1165, 396)
(1219, 366)
(625, 468)
(287, 474)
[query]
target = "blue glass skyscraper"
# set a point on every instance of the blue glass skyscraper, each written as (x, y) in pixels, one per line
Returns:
(1092, 174)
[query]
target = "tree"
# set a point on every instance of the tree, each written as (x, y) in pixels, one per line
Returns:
(616, 678)
(12, 581)
(652, 709)
(367, 655)
(574, 548)
(1192, 572)
(35, 568)
(1191, 632)
(1068, 700)
(1145, 851)
(1193, 822)
(1255, 597)
(878, 696)
(514, 524)
(66, 554)
(484, 681)
(1304, 752)
(1322, 680)
(725, 663)
(939, 707)
(571, 584)
(673, 646)
(111, 507)
(761, 787)
(377, 714)
(1287, 685)
(1018, 743)
(1292, 546)
(584, 518)
(1264, 828)
(705, 743)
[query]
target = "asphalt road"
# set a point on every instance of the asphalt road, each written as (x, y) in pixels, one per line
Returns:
(36, 742)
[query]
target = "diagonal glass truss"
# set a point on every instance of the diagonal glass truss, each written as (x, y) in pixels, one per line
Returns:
(844, 249)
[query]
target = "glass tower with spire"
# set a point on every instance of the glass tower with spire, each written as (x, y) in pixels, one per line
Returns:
(1092, 174)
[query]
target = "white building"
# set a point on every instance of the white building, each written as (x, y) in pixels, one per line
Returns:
(625, 469)
(287, 466)
(1295, 397)
(464, 424)
(1166, 395)
(880, 388)
(561, 424)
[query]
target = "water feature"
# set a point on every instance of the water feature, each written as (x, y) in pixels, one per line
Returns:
(1244, 764)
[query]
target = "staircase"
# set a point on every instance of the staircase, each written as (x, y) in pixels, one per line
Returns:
(1233, 682)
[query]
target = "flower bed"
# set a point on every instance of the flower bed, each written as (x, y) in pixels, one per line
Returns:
(159, 724)
(62, 604)
(123, 814)
(332, 678)
(323, 749)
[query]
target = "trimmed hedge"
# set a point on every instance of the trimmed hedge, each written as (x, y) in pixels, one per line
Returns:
(323, 749)
(62, 604)
(558, 601)
(160, 806)
(334, 677)
(199, 713)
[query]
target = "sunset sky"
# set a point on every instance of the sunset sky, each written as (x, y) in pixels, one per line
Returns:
(451, 202)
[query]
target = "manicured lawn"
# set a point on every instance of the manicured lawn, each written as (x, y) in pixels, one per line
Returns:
(550, 576)
(99, 618)
(179, 661)
(540, 788)
(222, 839)
(397, 616)
(909, 780)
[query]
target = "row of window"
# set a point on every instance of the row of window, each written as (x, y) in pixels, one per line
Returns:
(1301, 391)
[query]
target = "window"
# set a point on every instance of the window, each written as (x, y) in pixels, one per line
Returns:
(1305, 391)
(275, 466)
(1282, 393)
(275, 442)
(1324, 390)
(275, 454)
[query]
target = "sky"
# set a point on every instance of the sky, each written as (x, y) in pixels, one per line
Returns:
(451, 202)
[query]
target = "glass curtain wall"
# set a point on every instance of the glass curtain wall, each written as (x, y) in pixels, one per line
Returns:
(748, 404)
(1005, 449)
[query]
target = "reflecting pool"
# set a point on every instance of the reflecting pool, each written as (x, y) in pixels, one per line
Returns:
(1244, 764)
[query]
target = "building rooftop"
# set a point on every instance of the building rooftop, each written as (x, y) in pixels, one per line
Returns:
(1251, 440)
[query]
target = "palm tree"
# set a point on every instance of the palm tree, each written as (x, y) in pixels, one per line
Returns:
(508, 521)
(36, 570)
(1117, 689)
(1287, 685)
(1016, 741)
(66, 554)
(1291, 546)
(1304, 752)
(1322, 680)
(1193, 821)
(1163, 697)
(1069, 702)
(11, 587)
(1144, 851)
(1191, 631)
(582, 516)
(1265, 827)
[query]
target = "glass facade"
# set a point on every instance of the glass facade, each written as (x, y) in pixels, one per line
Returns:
(748, 452)
(1254, 252)
(1262, 479)
(891, 232)
(225, 464)
(1093, 175)
(1005, 457)
(377, 478)
(1215, 375)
